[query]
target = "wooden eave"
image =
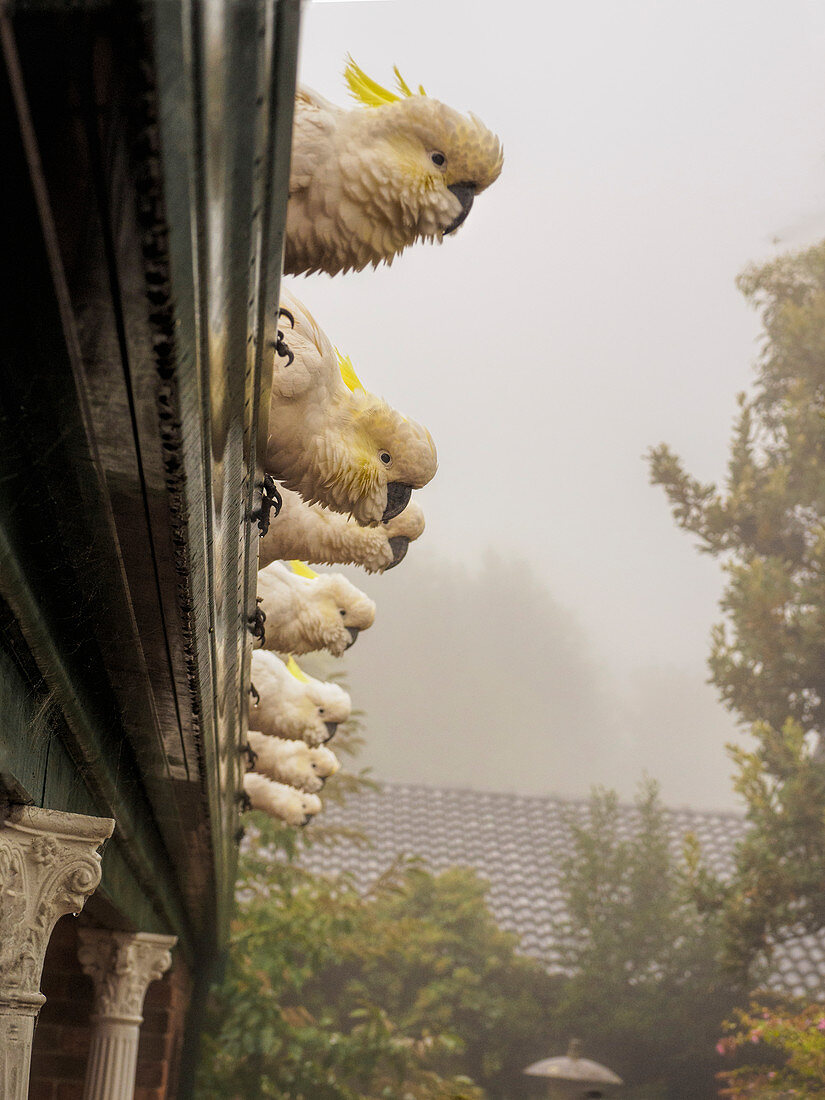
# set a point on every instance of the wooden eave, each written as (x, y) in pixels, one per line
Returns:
(146, 153)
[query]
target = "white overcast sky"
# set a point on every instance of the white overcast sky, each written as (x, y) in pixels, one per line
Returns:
(586, 310)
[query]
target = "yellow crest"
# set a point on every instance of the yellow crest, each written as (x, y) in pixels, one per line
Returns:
(351, 379)
(369, 93)
(301, 569)
(292, 666)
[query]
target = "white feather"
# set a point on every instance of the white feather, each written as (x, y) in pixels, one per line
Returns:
(292, 709)
(292, 762)
(280, 801)
(337, 446)
(312, 533)
(304, 615)
(364, 185)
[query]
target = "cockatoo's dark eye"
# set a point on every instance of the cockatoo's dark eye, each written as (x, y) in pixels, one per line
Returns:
(342, 612)
(438, 159)
(386, 458)
(320, 710)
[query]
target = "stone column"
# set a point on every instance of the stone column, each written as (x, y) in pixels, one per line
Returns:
(121, 965)
(49, 865)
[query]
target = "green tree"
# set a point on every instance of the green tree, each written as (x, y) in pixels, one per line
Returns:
(405, 993)
(427, 949)
(644, 989)
(271, 1033)
(768, 657)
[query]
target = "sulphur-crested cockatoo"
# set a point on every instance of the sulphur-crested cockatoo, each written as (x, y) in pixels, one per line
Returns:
(291, 704)
(306, 611)
(312, 533)
(366, 183)
(292, 762)
(330, 439)
(280, 801)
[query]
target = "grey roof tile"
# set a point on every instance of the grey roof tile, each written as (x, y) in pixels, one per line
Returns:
(517, 842)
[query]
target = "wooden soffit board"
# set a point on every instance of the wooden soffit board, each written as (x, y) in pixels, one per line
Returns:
(149, 146)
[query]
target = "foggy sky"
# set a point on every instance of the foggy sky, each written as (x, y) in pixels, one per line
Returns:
(586, 310)
(479, 677)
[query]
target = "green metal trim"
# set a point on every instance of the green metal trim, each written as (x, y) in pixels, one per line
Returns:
(96, 788)
(119, 885)
(35, 761)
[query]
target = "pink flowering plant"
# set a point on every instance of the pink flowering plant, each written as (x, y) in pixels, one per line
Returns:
(784, 1043)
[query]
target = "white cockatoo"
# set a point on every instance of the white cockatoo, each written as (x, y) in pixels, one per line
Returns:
(312, 533)
(291, 704)
(307, 611)
(330, 439)
(280, 801)
(366, 183)
(292, 762)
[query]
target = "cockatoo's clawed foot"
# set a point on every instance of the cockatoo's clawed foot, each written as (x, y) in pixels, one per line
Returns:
(256, 623)
(245, 802)
(240, 833)
(270, 498)
(285, 313)
(251, 756)
(282, 349)
(256, 695)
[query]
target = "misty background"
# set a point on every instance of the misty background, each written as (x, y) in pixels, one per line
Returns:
(550, 629)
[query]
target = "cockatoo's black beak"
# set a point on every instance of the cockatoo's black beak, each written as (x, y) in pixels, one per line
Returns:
(398, 497)
(353, 632)
(399, 545)
(465, 193)
(306, 820)
(331, 728)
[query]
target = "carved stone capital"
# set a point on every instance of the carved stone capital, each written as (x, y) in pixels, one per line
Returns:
(49, 865)
(121, 965)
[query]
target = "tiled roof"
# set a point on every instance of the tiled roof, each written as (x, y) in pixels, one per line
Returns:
(518, 843)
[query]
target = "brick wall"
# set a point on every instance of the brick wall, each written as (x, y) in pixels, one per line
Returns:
(61, 1036)
(63, 1033)
(161, 1034)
